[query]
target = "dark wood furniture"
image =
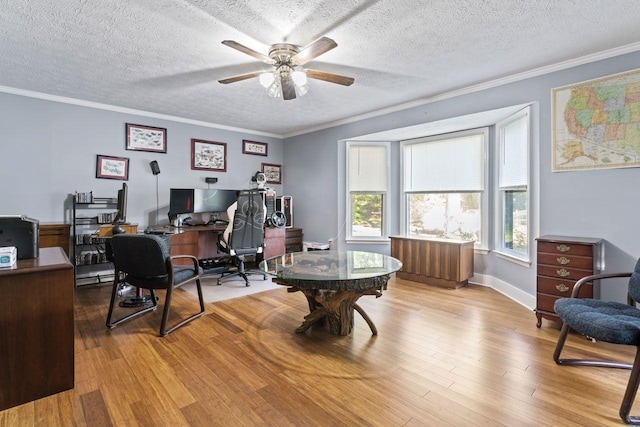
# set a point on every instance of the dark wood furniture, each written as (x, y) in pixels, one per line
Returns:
(201, 241)
(561, 262)
(274, 242)
(54, 235)
(332, 282)
(293, 240)
(442, 262)
(36, 328)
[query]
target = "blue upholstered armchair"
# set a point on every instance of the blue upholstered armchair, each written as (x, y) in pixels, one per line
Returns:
(607, 321)
(144, 262)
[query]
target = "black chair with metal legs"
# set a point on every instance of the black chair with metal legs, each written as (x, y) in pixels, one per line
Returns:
(143, 261)
(607, 321)
(244, 234)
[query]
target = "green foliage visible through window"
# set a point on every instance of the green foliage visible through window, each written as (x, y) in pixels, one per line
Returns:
(516, 221)
(366, 214)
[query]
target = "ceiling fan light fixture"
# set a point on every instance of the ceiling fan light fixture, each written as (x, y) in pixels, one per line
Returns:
(302, 90)
(299, 77)
(274, 89)
(267, 79)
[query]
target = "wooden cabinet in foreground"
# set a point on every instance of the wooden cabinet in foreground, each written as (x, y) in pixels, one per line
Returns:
(441, 262)
(561, 262)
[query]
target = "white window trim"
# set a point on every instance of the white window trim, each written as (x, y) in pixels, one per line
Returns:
(385, 199)
(483, 245)
(501, 251)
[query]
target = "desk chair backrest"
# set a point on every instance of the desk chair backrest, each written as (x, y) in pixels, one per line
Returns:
(246, 223)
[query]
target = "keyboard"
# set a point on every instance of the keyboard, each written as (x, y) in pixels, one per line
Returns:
(160, 229)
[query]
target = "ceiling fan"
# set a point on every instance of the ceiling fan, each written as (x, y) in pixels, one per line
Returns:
(288, 78)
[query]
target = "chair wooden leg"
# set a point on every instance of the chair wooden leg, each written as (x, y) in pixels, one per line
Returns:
(630, 393)
(167, 307)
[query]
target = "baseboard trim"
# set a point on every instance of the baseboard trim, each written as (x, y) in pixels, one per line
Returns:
(506, 289)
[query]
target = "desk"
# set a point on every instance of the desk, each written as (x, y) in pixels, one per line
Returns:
(54, 235)
(36, 328)
(332, 282)
(201, 241)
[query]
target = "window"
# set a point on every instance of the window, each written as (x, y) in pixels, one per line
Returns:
(444, 182)
(368, 182)
(513, 185)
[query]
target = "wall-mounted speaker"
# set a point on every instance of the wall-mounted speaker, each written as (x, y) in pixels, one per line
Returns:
(211, 180)
(155, 169)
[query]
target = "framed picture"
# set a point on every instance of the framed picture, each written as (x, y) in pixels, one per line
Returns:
(208, 155)
(273, 173)
(253, 147)
(146, 138)
(112, 167)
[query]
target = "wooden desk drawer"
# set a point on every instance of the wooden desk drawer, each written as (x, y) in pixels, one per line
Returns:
(566, 260)
(565, 248)
(562, 272)
(562, 288)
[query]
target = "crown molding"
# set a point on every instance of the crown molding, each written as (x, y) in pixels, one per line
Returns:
(633, 47)
(96, 105)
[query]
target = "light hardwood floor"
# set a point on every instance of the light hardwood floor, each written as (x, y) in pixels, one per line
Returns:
(462, 357)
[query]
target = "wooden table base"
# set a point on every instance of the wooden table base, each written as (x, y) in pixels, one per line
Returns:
(334, 309)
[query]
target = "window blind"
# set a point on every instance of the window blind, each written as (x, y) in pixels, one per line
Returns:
(368, 168)
(454, 164)
(514, 137)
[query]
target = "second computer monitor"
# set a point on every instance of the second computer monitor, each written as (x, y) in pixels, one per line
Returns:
(207, 200)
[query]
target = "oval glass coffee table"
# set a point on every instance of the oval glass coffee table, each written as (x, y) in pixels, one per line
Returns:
(333, 281)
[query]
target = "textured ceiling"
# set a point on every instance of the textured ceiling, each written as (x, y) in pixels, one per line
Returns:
(165, 56)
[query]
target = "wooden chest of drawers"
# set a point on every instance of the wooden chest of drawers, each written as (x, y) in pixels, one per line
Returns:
(561, 262)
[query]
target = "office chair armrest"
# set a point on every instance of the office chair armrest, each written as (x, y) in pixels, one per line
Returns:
(191, 257)
(579, 283)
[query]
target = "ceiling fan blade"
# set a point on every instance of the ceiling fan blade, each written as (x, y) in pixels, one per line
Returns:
(240, 77)
(288, 88)
(242, 48)
(329, 77)
(315, 49)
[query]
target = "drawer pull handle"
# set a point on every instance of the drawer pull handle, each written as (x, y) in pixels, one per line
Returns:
(562, 287)
(563, 260)
(562, 272)
(563, 248)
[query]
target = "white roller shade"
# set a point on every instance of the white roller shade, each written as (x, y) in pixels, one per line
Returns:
(514, 136)
(454, 164)
(368, 168)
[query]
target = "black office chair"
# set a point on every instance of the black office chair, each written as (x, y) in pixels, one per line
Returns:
(143, 261)
(607, 321)
(244, 234)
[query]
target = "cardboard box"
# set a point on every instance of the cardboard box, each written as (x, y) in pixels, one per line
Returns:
(8, 257)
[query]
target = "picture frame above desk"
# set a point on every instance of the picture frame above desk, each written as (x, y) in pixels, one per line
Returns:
(208, 155)
(255, 148)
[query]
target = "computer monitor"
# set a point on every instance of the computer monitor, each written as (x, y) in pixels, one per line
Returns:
(195, 200)
(121, 215)
(180, 201)
(208, 200)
